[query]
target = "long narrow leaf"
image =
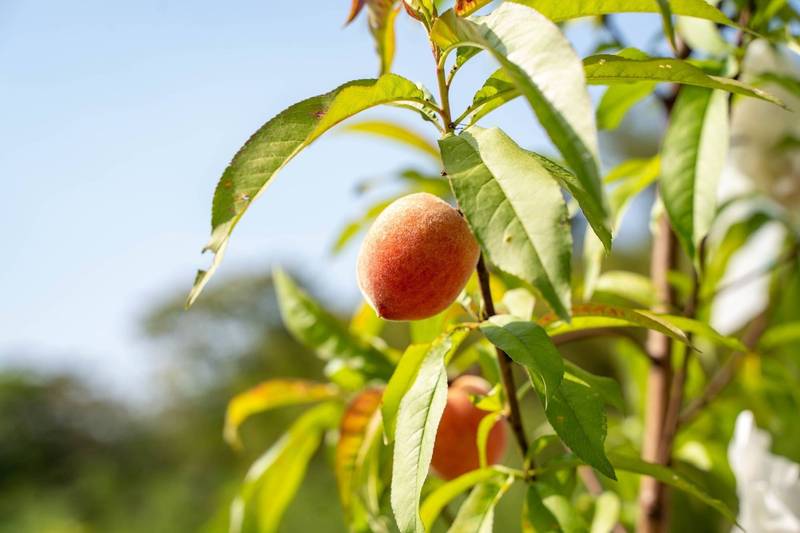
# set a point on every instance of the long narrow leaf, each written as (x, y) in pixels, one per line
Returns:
(274, 478)
(280, 140)
(269, 395)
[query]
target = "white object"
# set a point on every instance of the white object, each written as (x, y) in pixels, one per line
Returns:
(768, 485)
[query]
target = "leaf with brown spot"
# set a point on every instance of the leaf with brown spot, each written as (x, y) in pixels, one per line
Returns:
(355, 9)
(381, 16)
(467, 7)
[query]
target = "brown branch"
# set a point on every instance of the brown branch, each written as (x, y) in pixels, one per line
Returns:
(653, 513)
(504, 361)
(672, 419)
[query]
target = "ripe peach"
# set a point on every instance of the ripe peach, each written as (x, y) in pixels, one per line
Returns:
(416, 258)
(456, 450)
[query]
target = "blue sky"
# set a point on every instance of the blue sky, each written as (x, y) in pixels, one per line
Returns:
(117, 120)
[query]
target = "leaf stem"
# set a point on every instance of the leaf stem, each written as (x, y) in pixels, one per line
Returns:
(444, 90)
(504, 361)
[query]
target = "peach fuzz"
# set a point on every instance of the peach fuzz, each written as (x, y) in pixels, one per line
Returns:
(416, 258)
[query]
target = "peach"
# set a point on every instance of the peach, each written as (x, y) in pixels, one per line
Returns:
(456, 450)
(416, 258)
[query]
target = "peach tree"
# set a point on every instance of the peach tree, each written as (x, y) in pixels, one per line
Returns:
(493, 286)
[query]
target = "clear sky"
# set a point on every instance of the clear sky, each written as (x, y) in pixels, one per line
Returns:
(117, 120)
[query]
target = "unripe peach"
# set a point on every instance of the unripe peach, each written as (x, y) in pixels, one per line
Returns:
(456, 449)
(416, 258)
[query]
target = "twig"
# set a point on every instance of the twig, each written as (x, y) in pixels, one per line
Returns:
(725, 374)
(672, 419)
(758, 273)
(504, 361)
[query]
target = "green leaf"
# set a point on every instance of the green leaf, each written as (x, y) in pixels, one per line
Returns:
(694, 152)
(496, 91)
(427, 330)
(269, 395)
(779, 335)
(607, 388)
(404, 375)
(576, 414)
(720, 255)
(607, 508)
(559, 11)
(629, 285)
(443, 495)
(418, 416)
(282, 138)
(395, 132)
(547, 510)
(786, 82)
(618, 100)
(314, 327)
(528, 345)
(544, 68)
(593, 207)
(592, 316)
(608, 69)
(632, 76)
(366, 323)
(359, 428)
(703, 35)
(355, 227)
(408, 368)
(485, 427)
(666, 19)
(476, 514)
(274, 478)
(640, 174)
(519, 302)
(514, 208)
(701, 329)
(670, 477)
(536, 516)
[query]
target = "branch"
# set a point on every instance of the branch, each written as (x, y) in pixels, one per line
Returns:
(672, 419)
(504, 361)
(654, 510)
(725, 374)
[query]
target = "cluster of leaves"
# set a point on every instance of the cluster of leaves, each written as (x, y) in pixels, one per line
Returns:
(383, 405)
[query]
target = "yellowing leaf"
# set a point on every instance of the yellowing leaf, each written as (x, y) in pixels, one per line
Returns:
(360, 426)
(466, 7)
(271, 395)
(273, 480)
